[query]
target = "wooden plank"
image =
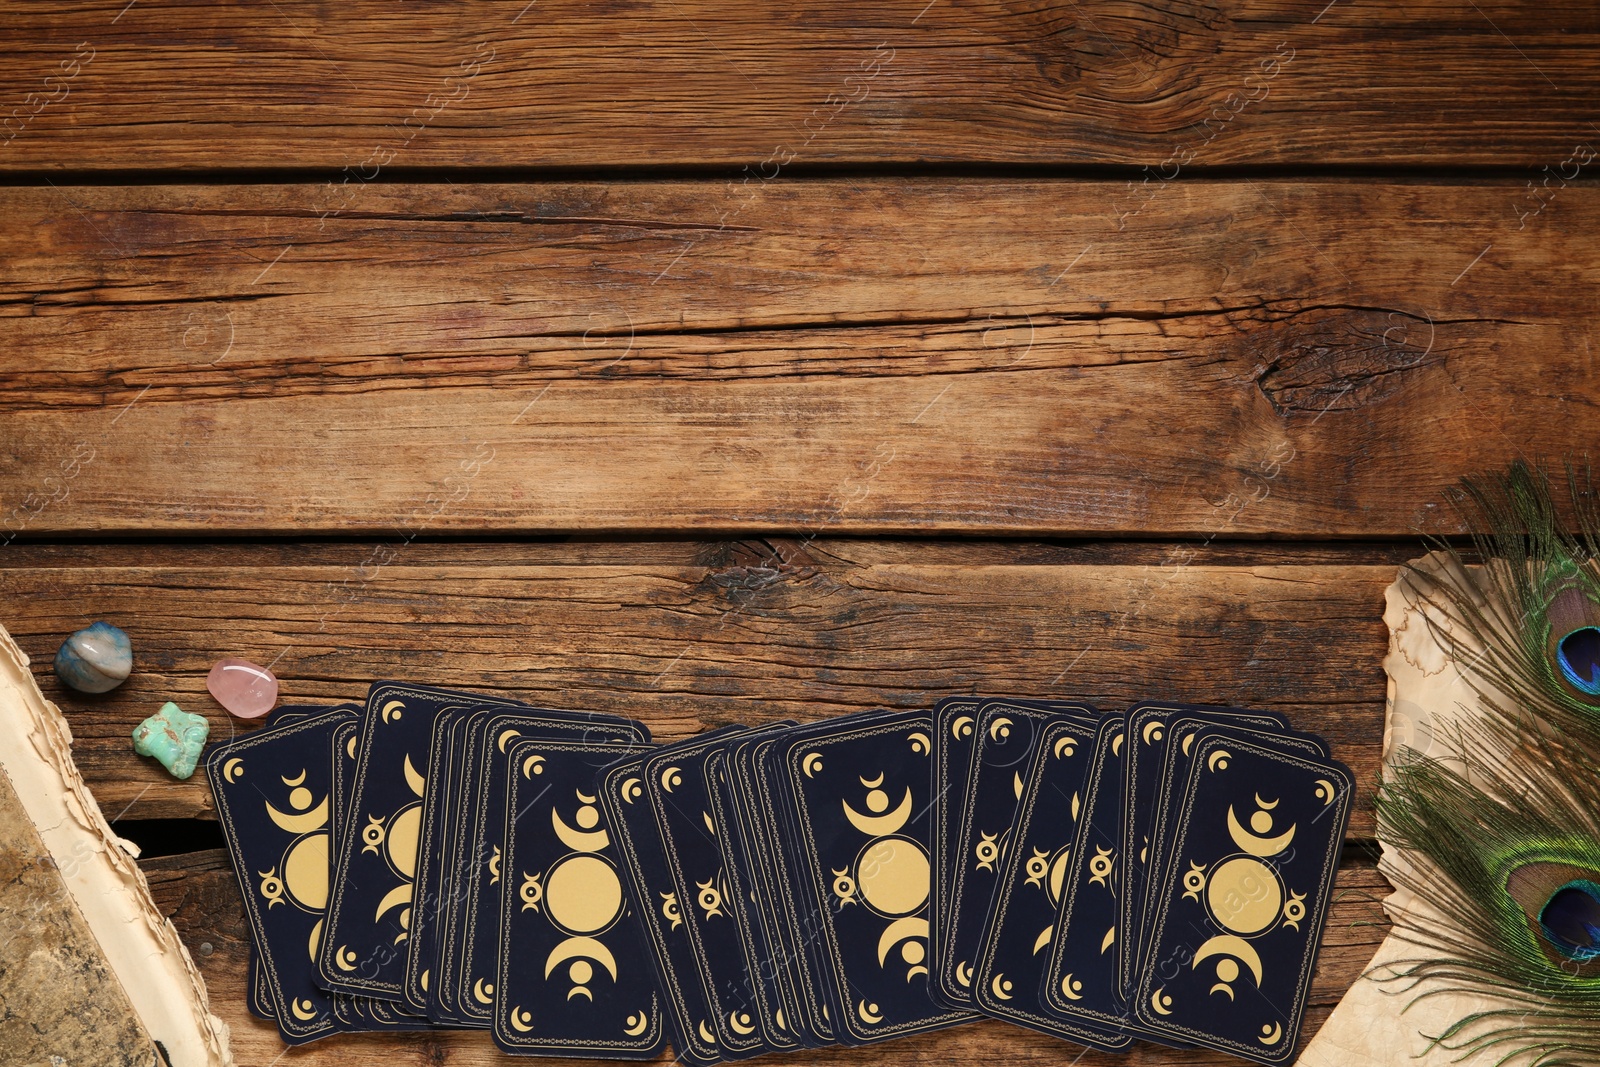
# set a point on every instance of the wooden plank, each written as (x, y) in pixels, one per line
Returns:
(199, 892)
(1241, 357)
(743, 635)
(369, 85)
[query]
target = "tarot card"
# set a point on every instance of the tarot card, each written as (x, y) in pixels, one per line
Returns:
(372, 896)
(272, 790)
(652, 895)
(1026, 908)
(1008, 737)
(762, 964)
(472, 964)
(1239, 916)
(1183, 729)
(576, 976)
(859, 788)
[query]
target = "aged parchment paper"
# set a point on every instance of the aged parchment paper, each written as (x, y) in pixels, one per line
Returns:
(94, 973)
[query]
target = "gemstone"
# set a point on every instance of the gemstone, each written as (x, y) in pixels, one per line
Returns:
(96, 659)
(174, 737)
(245, 689)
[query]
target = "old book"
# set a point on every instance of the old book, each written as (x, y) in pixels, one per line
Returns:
(90, 971)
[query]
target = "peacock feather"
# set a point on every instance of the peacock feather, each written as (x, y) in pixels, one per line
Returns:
(1501, 835)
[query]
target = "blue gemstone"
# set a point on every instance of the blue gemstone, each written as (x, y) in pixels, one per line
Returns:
(96, 659)
(1578, 655)
(1571, 919)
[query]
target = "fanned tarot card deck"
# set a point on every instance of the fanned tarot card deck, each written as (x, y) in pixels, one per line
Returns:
(437, 859)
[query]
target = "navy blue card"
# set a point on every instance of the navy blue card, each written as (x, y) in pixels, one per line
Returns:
(653, 897)
(1008, 737)
(1239, 914)
(860, 790)
(473, 965)
(372, 897)
(761, 965)
(954, 737)
(1081, 982)
(1010, 973)
(273, 791)
(575, 976)
(1183, 729)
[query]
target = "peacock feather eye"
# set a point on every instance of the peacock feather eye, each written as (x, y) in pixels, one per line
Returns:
(1571, 920)
(1561, 902)
(1578, 656)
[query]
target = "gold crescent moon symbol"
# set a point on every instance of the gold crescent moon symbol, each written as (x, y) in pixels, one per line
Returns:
(297, 780)
(1188, 739)
(314, 819)
(999, 987)
(1076, 804)
(1043, 939)
(868, 1012)
(1111, 935)
(1229, 945)
(578, 840)
(303, 1010)
(1324, 791)
(1151, 732)
(872, 783)
(812, 764)
(900, 930)
(671, 778)
(914, 971)
(962, 727)
(1016, 785)
(1257, 846)
(711, 826)
(705, 1033)
(481, 993)
(413, 779)
(921, 744)
(1224, 986)
(345, 958)
(1070, 988)
(1065, 746)
(1116, 744)
(1001, 727)
(394, 707)
(533, 765)
(632, 789)
(580, 989)
(316, 937)
(1161, 1002)
(1271, 1035)
(232, 769)
(964, 975)
(521, 1021)
(581, 946)
(634, 1029)
(350, 747)
(1263, 805)
(1220, 756)
(880, 825)
(505, 736)
(400, 894)
(741, 1023)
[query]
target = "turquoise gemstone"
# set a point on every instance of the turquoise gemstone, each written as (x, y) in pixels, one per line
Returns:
(174, 737)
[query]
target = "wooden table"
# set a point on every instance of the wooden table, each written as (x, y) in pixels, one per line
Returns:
(717, 362)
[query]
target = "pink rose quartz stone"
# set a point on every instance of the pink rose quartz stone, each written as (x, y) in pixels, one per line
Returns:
(245, 689)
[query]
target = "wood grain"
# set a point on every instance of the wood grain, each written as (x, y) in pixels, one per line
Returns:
(1293, 358)
(199, 892)
(692, 637)
(371, 85)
